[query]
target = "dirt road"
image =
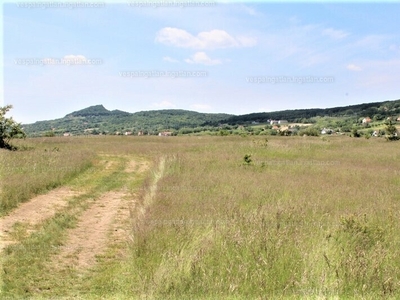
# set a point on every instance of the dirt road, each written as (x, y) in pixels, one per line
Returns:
(104, 220)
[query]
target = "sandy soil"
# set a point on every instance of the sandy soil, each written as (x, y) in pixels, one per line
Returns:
(34, 212)
(91, 235)
(105, 222)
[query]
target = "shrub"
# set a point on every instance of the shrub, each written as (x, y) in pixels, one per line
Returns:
(9, 129)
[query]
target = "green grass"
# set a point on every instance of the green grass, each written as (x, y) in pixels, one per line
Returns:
(26, 268)
(309, 218)
(49, 164)
(228, 230)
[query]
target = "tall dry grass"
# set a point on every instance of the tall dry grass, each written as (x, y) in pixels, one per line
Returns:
(42, 165)
(308, 218)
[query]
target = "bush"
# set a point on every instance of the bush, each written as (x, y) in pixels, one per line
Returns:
(9, 129)
(309, 131)
(223, 133)
(50, 134)
(391, 131)
(355, 133)
(247, 159)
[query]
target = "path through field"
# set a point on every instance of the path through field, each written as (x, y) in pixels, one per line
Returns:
(30, 214)
(72, 226)
(90, 236)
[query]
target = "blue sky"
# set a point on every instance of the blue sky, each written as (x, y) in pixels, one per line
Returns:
(58, 60)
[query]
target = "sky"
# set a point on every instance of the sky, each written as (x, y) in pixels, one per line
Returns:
(203, 55)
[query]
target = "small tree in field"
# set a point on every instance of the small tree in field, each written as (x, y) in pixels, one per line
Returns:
(9, 129)
(391, 131)
(247, 159)
(355, 133)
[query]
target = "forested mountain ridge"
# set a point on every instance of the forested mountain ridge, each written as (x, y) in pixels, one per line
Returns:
(98, 120)
(97, 110)
(377, 110)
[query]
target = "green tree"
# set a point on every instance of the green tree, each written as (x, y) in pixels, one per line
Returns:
(391, 131)
(9, 129)
(223, 133)
(49, 133)
(309, 131)
(355, 133)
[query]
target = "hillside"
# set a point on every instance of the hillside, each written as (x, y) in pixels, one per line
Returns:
(95, 111)
(97, 119)
(379, 110)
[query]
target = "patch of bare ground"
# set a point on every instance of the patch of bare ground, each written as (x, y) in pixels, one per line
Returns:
(131, 166)
(106, 222)
(143, 167)
(134, 166)
(108, 165)
(34, 212)
(92, 234)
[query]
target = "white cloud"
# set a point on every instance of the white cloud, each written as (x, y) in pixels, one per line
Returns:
(163, 104)
(373, 42)
(203, 59)
(213, 39)
(169, 59)
(334, 34)
(75, 57)
(352, 67)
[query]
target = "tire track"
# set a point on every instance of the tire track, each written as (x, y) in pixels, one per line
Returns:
(34, 212)
(90, 236)
(105, 222)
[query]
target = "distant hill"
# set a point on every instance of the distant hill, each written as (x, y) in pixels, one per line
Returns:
(96, 111)
(97, 119)
(380, 110)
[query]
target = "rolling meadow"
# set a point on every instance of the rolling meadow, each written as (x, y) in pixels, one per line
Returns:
(202, 217)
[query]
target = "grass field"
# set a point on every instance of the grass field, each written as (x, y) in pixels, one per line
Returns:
(307, 218)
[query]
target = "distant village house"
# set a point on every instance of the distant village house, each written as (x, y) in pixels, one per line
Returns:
(165, 133)
(276, 122)
(366, 120)
(327, 131)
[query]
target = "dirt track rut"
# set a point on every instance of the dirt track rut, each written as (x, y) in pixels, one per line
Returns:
(105, 221)
(91, 235)
(34, 212)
